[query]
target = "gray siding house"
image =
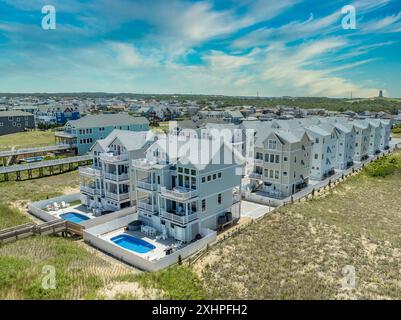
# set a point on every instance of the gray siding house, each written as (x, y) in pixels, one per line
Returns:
(15, 121)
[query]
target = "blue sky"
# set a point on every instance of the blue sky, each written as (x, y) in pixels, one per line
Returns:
(241, 47)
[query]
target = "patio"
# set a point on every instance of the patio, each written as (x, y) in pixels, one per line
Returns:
(156, 254)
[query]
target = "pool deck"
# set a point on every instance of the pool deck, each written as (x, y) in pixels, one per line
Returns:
(155, 254)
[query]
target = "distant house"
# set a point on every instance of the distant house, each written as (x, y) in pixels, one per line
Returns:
(15, 121)
(83, 133)
(56, 115)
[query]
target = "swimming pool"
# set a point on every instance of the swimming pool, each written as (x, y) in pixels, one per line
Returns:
(132, 243)
(74, 217)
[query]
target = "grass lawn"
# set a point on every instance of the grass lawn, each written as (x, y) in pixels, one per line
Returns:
(17, 194)
(26, 139)
(299, 251)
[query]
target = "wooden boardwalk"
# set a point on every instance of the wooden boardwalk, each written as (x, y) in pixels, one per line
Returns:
(50, 164)
(48, 228)
(19, 152)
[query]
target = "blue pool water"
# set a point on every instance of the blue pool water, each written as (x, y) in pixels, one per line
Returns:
(74, 217)
(132, 243)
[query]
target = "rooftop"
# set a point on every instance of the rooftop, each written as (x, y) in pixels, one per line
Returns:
(107, 120)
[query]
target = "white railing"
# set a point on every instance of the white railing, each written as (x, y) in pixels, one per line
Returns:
(89, 190)
(116, 177)
(110, 157)
(176, 218)
(145, 184)
(147, 206)
(142, 164)
(117, 197)
(90, 171)
(254, 175)
(179, 193)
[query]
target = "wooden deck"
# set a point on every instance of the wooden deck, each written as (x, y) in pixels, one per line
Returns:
(48, 228)
(51, 165)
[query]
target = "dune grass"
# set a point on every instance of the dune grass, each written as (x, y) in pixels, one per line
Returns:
(27, 139)
(299, 252)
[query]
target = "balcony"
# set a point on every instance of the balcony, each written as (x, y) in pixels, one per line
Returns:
(173, 216)
(179, 193)
(259, 162)
(89, 190)
(112, 158)
(147, 206)
(116, 177)
(117, 197)
(146, 185)
(142, 164)
(255, 175)
(90, 172)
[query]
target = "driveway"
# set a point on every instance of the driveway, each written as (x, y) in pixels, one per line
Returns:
(254, 210)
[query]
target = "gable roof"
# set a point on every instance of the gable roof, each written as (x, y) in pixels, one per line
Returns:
(107, 120)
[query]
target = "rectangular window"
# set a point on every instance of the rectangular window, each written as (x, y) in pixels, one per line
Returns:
(266, 157)
(193, 172)
(214, 176)
(186, 171)
(203, 179)
(272, 144)
(276, 175)
(180, 169)
(209, 178)
(317, 140)
(272, 158)
(316, 156)
(203, 205)
(219, 199)
(277, 159)
(219, 175)
(271, 174)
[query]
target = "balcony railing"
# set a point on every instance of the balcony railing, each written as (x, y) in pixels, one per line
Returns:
(89, 190)
(147, 206)
(117, 197)
(116, 177)
(179, 193)
(236, 198)
(255, 175)
(110, 157)
(89, 171)
(178, 218)
(145, 184)
(142, 164)
(258, 162)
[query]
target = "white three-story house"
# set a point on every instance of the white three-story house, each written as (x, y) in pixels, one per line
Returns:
(107, 185)
(179, 196)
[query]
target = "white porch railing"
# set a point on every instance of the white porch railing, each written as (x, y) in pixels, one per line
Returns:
(145, 184)
(110, 157)
(257, 176)
(89, 171)
(88, 190)
(116, 177)
(176, 218)
(179, 193)
(117, 197)
(147, 206)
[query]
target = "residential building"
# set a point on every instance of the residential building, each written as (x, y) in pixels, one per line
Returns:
(362, 132)
(56, 115)
(375, 127)
(15, 121)
(108, 184)
(282, 161)
(181, 196)
(83, 133)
